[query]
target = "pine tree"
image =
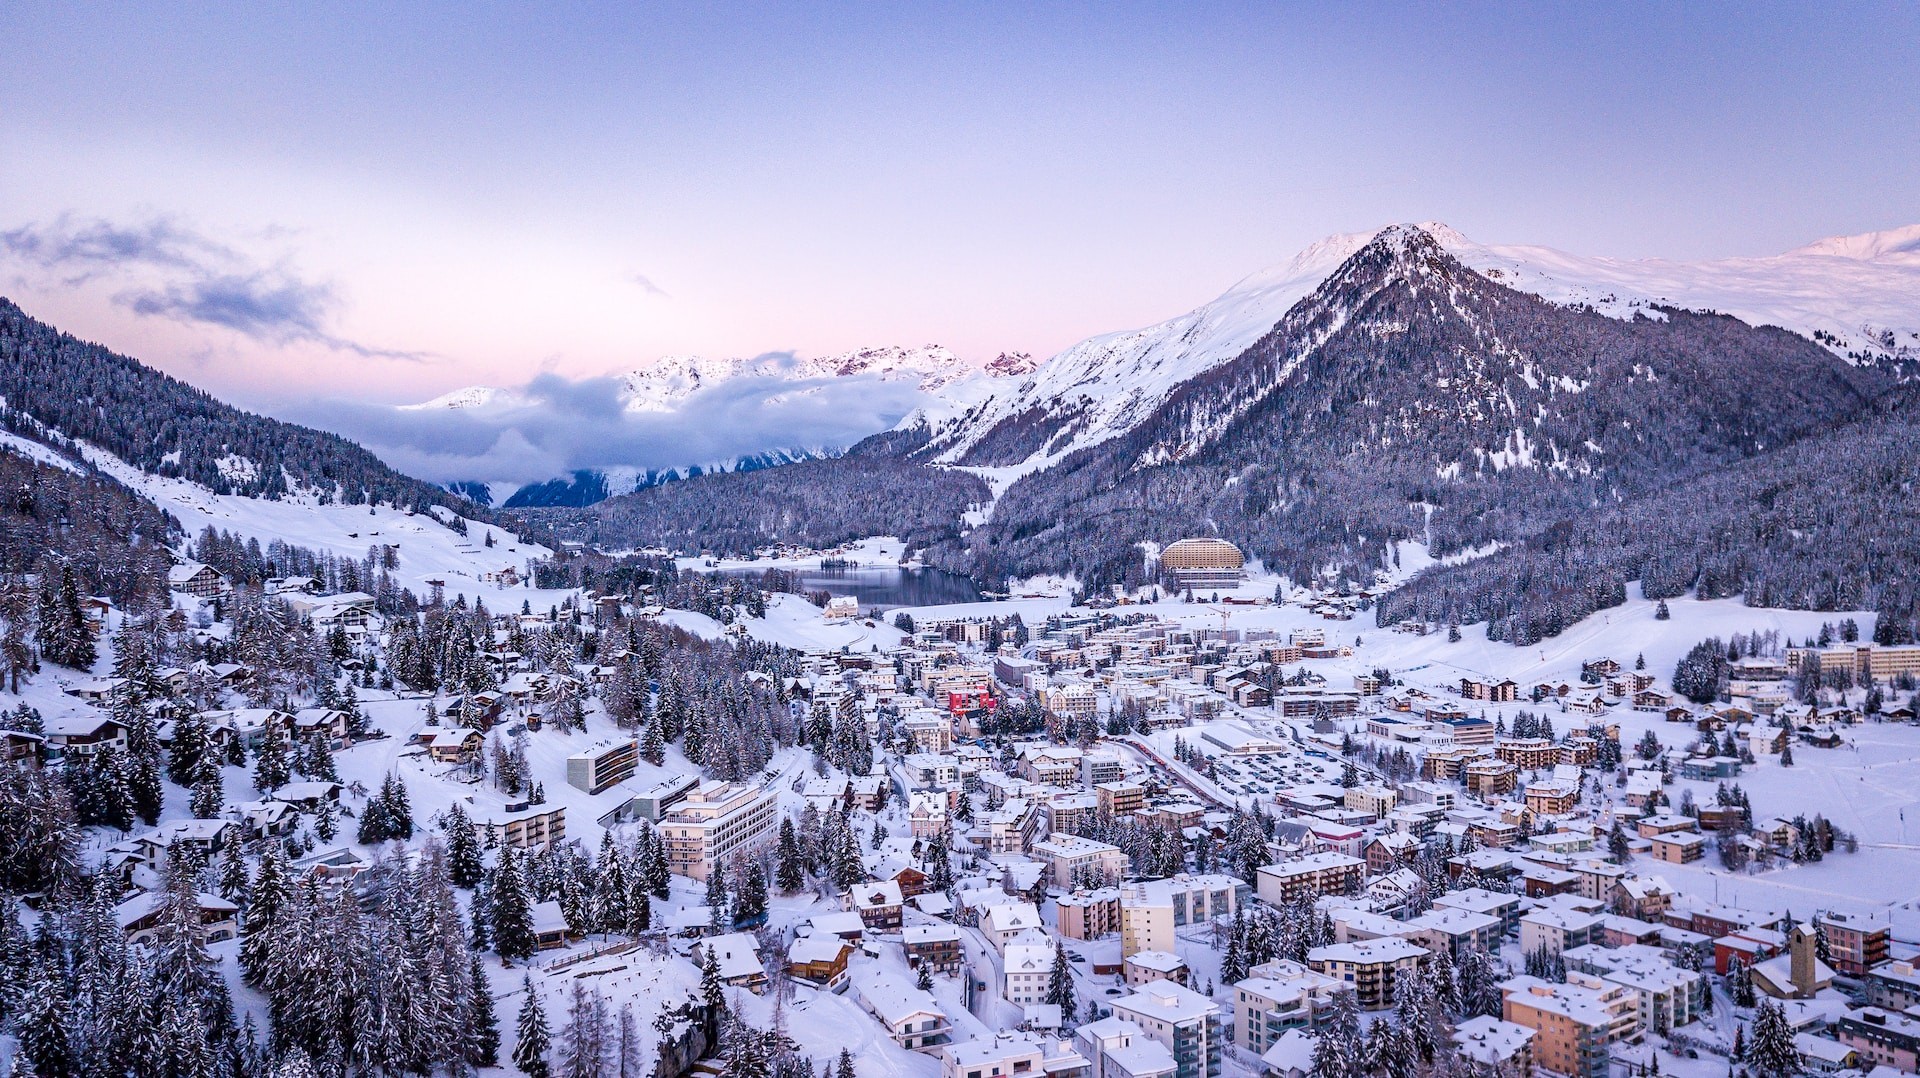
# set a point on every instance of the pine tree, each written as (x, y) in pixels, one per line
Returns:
(789, 874)
(233, 873)
(512, 908)
(583, 1040)
(843, 1068)
(271, 766)
(269, 894)
(923, 979)
(40, 1021)
(483, 1044)
(209, 798)
(653, 748)
(713, 992)
(750, 901)
(534, 1040)
(1060, 981)
(1233, 963)
(1338, 1047)
(1771, 1053)
(64, 636)
(399, 808)
(465, 864)
(610, 890)
(659, 875)
(628, 1061)
(717, 893)
(192, 745)
(1479, 988)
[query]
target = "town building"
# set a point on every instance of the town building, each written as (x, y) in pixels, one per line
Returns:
(715, 820)
(1182, 1020)
(1373, 968)
(603, 765)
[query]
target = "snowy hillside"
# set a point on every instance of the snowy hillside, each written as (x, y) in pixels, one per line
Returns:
(427, 548)
(1853, 294)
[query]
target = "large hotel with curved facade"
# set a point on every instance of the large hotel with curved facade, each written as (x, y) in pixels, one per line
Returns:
(1204, 563)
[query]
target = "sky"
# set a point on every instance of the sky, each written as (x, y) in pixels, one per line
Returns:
(298, 206)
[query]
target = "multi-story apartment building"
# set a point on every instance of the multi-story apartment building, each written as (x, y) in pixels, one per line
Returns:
(1183, 1020)
(1488, 779)
(1863, 661)
(524, 827)
(1085, 915)
(1011, 1054)
(1027, 960)
(1119, 798)
(929, 731)
(1153, 910)
(1118, 1048)
(1667, 997)
(1894, 986)
(1480, 900)
(1447, 764)
(1456, 931)
(1552, 797)
(1527, 753)
(1070, 859)
(1371, 798)
(1373, 968)
(1891, 1040)
(1054, 765)
(1856, 943)
(1573, 1025)
(1310, 877)
(1069, 810)
(1011, 827)
(716, 820)
(1281, 995)
(1554, 929)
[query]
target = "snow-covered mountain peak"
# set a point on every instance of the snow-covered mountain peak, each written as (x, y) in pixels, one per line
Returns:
(663, 385)
(1901, 245)
(473, 397)
(1856, 295)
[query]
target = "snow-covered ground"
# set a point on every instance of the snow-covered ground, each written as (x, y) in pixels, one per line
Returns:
(428, 549)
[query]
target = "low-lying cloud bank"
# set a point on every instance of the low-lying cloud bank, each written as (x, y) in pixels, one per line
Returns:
(555, 426)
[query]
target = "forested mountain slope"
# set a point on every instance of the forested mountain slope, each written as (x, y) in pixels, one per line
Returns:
(52, 380)
(816, 503)
(1827, 523)
(1410, 397)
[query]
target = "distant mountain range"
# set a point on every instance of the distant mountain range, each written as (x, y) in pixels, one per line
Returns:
(1553, 427)
(664, 387)
(1853, 295)
(1496, 405)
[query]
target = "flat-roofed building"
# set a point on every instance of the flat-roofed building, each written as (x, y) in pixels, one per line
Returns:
(1574, 1026)
(1373, 968)
(1075, 861)
(603, 765)
(716, 820)
(1282, 995)
(1310, 877)
(1184, 1021)
(523, 826)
